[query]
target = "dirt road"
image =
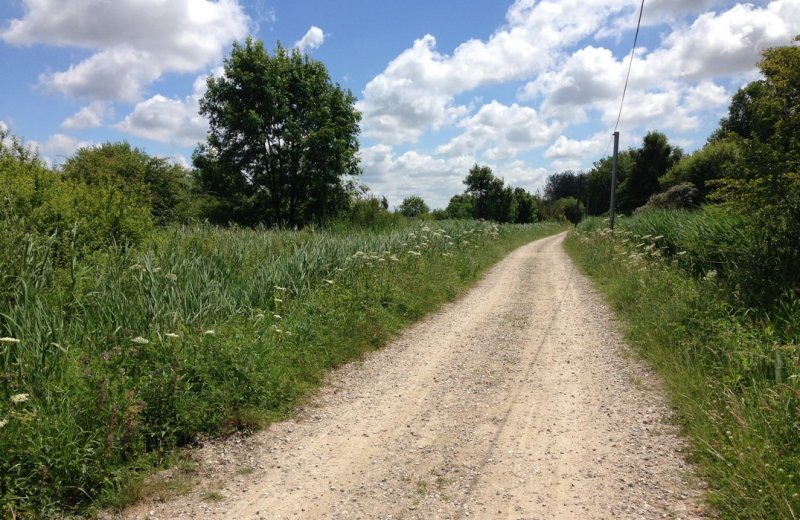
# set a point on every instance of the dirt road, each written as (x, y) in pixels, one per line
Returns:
(517, 401)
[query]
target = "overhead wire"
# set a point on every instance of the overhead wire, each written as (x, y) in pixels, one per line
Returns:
(630, 66)
(627, 77)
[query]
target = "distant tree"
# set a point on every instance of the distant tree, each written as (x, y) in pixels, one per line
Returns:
(413, 206)
(563, 184)
(493, 200)
(650, 163)
(281, 141)
(528, 208)
(461, 206)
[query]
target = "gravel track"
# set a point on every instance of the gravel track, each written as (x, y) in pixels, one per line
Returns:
(517, 401)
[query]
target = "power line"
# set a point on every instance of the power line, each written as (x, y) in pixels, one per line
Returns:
(630, 65)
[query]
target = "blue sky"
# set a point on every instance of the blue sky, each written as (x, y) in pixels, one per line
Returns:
(529, 87)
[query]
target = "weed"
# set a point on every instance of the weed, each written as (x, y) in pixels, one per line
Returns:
(730, 363)
(127, 354)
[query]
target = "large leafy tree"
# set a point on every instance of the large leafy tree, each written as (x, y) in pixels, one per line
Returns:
(493, 200)
(650, 162)
(764, 122)
(561, 185)
(282, 138)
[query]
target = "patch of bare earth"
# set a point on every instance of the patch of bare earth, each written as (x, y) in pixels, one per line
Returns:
(517, 401)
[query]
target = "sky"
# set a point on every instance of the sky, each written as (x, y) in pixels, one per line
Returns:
(528, 87)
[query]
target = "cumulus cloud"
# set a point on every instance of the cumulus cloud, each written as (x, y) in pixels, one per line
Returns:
(725, 43)
(313, 39)
(416, 91)
(134, 41)
(506, 130)
(59, 146)
(90, 116)
(169, 120)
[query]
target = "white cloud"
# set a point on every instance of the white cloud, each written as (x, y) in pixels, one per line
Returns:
(59, 146)
(725, 43)
(313, 39)
(134, 41)
(90, 116)
(509, 130)
(167, 120)
(415, 93)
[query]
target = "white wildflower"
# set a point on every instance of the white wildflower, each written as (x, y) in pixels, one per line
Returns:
(281, 289)
(9, 340)
(3, 422)
(136, 267)
(171, 335)
(171, 277)
(19, 398)
(277, 316)
(140, 340)
(209, 332)
(259, 316)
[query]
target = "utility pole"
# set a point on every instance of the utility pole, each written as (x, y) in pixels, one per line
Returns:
(613, 208)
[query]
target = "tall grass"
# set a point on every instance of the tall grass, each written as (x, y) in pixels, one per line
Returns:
(732, 369)
(108, 363)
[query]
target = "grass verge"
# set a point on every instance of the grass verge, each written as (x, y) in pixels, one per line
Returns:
(733, 373)
(108, 364)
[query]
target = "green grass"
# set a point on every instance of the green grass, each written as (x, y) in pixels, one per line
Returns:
(732, 371)
(117, 359)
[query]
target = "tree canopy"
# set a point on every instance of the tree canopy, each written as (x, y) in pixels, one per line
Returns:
(413, 206)
(282, 139)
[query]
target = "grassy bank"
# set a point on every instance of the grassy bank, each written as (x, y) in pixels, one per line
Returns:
(731, 366)
(108, 363)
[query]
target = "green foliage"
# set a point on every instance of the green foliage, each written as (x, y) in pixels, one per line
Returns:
(370, 212)
(681, 196)
(461, 206)
(282, 138)
(733, 371)
(562, 185)
(413, 206)
(151, 181)
(124, 355)
(597, 192)
(487, 197)
(567, 208)
(718, 159)
(81, 211)
(527, 208)
(765, 186)
(650, 163)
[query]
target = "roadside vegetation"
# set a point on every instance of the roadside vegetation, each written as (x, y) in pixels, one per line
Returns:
(111, 361)
(706, 277)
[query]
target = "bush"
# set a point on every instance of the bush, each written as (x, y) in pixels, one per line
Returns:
(681, 196)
